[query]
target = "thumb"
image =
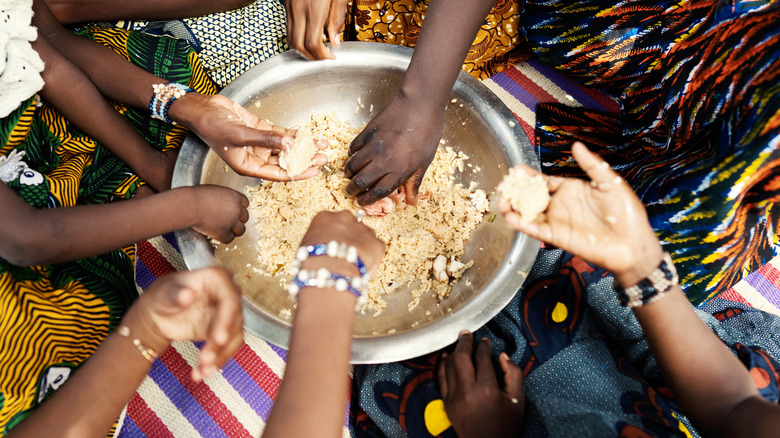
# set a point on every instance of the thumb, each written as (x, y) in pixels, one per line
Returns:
(412, 187)
(176, 297)
(513, 380)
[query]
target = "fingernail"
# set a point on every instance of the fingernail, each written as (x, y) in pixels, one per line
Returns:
(504, 356)
(287, 142)
(464, 332)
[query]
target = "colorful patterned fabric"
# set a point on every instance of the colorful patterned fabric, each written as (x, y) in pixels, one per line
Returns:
(587, 368)
(228, 43)
(168, 404)
(495, 47)
(699, 86)
(53, 317)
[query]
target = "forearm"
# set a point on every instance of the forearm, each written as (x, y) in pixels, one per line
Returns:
(316, 378)
(446, 36)
(78, 11)
(91, 400)
(36, 237)
(76, 98)
(115, 77)
(705, 377)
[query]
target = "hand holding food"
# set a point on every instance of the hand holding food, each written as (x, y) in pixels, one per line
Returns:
(600, 220)
(250, 146)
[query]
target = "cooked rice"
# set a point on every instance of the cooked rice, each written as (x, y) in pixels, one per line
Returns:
(440, 224)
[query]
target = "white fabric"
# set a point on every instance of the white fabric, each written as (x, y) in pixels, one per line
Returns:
(20, 65)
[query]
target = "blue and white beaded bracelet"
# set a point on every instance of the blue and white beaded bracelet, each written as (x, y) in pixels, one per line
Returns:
(163, 97)
(331, 249)
(322, 278)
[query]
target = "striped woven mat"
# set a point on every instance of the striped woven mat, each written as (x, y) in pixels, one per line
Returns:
(236, 403)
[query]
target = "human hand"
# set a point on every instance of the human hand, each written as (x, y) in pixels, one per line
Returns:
(193, 305)
(342, 227)
(394, 149)
(306, 20)
(220, 212)
(474, 403)
(602, 221)
(248, 145)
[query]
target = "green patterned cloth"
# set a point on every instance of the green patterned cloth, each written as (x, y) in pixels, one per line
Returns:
(52, 318)
(228, 43)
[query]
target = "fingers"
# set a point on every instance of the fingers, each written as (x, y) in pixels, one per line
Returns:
(412, 187)
(271, 139)
(513, 379)
(224, 335)
(441, 375)
(597, 169)
(336, 22)
(485, 373)
(383, 188)
(461, 366)
(357, 144)
(356, 161)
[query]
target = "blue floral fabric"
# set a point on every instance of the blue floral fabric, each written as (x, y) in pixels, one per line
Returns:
(588, 371)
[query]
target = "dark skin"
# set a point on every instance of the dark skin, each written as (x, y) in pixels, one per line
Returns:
(470, 391)
(690, 355)
(397, 146)
(248, 145)
(39, 237)
(198, 305)
(84, 106)
(322, 336)
(77, 11)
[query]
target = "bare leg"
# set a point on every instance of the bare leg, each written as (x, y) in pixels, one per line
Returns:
(77, 11)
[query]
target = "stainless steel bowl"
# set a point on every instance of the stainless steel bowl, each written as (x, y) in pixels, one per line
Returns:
(287, 89)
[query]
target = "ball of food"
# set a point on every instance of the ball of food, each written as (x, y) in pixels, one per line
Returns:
(299, 157)
(527, 194)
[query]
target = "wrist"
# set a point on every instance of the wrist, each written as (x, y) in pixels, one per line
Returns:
(187, 109)
(646, 262)
(139, 328)
(662, 280)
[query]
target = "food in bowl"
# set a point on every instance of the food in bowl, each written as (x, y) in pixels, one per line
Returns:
(424, 244)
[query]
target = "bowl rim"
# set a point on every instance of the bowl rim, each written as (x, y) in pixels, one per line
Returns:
(197, 251)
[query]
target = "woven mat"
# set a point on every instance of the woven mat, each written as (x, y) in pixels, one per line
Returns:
(236, 403)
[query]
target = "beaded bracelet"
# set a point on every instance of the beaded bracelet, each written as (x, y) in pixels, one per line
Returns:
(163, 97)
(332, 249)
(148, 353)
(322, 278)
(652, 288)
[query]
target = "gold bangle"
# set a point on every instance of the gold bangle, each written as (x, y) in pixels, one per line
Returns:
(149, 354)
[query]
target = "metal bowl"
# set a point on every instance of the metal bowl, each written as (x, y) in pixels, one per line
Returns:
(286, 90)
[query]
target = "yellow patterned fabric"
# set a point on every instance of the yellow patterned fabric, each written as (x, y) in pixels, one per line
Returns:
(399, 21)
(54, 317)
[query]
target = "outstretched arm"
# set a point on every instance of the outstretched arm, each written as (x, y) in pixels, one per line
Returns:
(29, 236)
(82, 11)
(244, 142)
(311, 399)
(198, 305)
(398, 145)
(76, 98)
(605, 223)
